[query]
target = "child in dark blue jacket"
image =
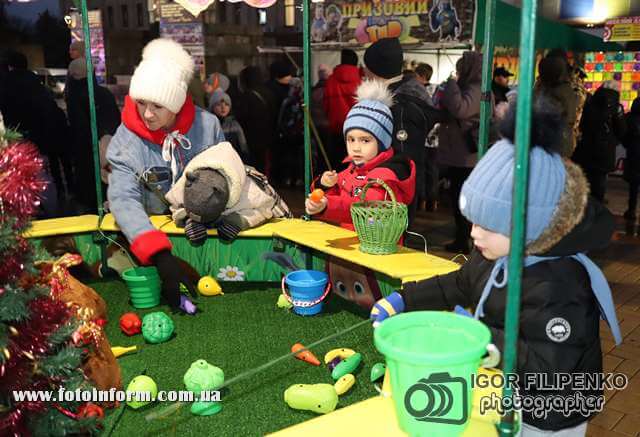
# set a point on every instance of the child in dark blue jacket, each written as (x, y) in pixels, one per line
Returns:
(563, 292)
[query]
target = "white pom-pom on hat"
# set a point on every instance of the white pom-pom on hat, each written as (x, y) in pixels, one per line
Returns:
(163, 75)
(171, 52)
(374, 90)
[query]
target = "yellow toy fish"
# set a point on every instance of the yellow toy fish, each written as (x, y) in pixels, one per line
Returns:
(207, 286)
(120, 350)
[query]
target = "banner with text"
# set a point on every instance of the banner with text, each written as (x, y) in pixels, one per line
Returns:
(412, 21)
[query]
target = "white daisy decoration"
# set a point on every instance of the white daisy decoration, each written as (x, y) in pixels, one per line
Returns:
(231, 273)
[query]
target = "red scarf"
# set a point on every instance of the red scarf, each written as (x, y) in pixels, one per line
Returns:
(133, 121)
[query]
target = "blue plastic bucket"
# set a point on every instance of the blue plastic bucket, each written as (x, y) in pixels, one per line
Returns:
(307, 288)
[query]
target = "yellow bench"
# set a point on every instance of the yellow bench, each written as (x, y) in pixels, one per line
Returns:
(406, 265)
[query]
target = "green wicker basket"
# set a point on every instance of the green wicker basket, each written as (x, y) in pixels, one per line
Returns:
(379, 223)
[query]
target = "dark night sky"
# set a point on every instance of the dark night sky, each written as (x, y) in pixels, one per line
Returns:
(29, 11)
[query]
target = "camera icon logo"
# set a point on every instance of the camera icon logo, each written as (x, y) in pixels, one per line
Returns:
(440, 398)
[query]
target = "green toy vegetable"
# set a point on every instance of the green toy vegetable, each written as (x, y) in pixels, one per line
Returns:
(157, 327)
(138, 385)
(200, 377)
(319, 398)
(348, 365)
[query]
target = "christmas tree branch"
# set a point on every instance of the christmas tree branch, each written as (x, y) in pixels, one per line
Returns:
(62, 364)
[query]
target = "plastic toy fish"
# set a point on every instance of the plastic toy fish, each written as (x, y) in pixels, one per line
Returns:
(332, 365)
(130, 324)
(377, 372)
(200, 377)
(341, 353)
(283, 302)
(207, 286)
(319, 398)
(121, 350)
(157, 327)
(346, 366)
(305, 355)
(141, 384)
(344, 384)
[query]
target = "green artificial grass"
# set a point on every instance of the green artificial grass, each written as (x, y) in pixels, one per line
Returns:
(238, 331)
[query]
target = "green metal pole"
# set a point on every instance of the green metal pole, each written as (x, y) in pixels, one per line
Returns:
(306, 68)
(94, 125)
(92, 104)
(518, 215)
(487, 75)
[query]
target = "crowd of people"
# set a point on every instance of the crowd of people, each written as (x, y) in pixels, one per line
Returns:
(435, 125)
(378, 119)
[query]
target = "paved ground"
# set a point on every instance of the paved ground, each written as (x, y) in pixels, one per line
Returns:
(621, 265)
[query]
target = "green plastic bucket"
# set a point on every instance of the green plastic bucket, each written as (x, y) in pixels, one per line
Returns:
(144, 286)
(431, 357)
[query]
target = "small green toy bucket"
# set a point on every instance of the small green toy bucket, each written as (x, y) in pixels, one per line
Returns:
(379, 223)
(432, 357)
(144, 286)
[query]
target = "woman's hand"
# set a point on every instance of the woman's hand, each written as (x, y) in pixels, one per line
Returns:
(172, 275)
(329, 178)
(313, 208)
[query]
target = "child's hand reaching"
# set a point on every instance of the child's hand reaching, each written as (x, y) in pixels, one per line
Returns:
(313, 207)
(329, 178)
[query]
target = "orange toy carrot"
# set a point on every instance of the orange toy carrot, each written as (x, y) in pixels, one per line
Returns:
(305, 355)
(316, 195)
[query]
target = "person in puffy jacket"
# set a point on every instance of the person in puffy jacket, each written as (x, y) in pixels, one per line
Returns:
(367, 132)
(339, 97)
(161, 132)
(564, 293)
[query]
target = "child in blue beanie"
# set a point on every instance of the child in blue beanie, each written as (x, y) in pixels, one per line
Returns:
(367, 132)
(563, 292)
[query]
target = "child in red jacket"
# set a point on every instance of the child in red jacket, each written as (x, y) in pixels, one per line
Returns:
(367, 132)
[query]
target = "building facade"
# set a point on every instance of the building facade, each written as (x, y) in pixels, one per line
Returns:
(233, 31)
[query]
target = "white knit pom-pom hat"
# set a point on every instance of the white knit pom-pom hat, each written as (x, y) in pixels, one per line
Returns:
(163, 75)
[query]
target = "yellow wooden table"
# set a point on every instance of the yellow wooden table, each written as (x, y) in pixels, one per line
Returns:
(63, 226)
(406, 265)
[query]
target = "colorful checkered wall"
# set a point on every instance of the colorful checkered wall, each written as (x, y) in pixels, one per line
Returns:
(622, 67)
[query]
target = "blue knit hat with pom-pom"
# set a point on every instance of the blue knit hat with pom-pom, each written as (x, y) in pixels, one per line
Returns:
(372, 113)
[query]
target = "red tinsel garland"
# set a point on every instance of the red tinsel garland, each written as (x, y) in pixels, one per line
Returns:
(21, 179)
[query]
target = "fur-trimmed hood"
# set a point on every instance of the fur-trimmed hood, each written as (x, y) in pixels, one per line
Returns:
(252, 201)
(578, 223)
(221, 157)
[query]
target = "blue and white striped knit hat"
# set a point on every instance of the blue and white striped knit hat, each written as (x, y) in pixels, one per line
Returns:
(372, 113)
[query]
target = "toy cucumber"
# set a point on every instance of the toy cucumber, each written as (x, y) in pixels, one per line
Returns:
(348, 365)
